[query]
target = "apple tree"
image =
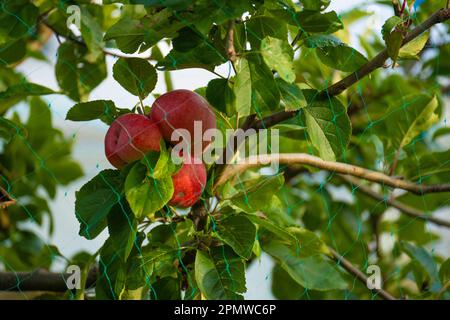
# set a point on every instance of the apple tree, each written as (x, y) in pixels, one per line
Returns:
(356, 209)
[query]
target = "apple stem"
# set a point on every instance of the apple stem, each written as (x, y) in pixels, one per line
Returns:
(141, 108)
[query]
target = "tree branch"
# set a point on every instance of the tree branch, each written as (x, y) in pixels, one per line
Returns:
(377, 62)
(5, 199)
(396, 6)
(199, 216)
(375, 222)
(410, 211)
(40, 281)
(343, 168)
(349, 267)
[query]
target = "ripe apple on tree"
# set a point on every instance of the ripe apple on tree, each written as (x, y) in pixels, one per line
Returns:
(180, 109)
(131, 136)
(188, 183)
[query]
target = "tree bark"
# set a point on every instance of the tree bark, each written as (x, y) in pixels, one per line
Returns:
(39, 281)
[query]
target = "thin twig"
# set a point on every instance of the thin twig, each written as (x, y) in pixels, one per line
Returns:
(402, 10)
(395, 162)
(410, 211)
(349, 267)
(141, 109)
(40, 281)
(375, 221)
(6, 199)
(231, 50)
(396, 6)
(343, 168)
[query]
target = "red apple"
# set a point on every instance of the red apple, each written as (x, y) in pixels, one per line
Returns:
(179, 109)
(188, 183)
(129, 138)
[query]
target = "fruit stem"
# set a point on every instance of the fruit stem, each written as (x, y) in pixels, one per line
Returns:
(141, 108)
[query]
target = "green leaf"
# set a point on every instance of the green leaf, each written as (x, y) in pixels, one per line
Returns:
(444, 271)
(128, 33)
(392, 37)
(389, 25)
(166, 289)
(136, 75)
(112, 273)
(341, 57)
(9, 128)
(92, 110)
(322, 41)
(160, 164)
(426, 261)
(410, 229)
(12, 51)
(132, 35)
(312, 272)
(221, 96)
(239, 233)
(243, 88)
(292, 97)
(188, 38)
(265, 95)
(25, 89)
(271, 227)
(145, 194)
(218, 12)
(433, 164)
(393, 44)
(122, 228)
(417, 114)
(136, 276)
(171, 234)
(308, 243)
(92, 34)
(95, 200)
(335, 54)
(414, 47)
(441, 132)
(75, 74)
(278, 56)
(283, 287)
(328, 125)
(220, 274)
(64, 169)
(316, 22)
(260, 27)
(158, 261)
(256, 195)
(17, 18)
(316, 5)
(203, 56)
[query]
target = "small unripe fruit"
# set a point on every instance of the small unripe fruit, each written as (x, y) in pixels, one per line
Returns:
(129, 138)
(188, 183)
(179, 109)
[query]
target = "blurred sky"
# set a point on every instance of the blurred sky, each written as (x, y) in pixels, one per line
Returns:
(88, 138)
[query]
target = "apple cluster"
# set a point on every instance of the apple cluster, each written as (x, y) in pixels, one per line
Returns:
(131, 136)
